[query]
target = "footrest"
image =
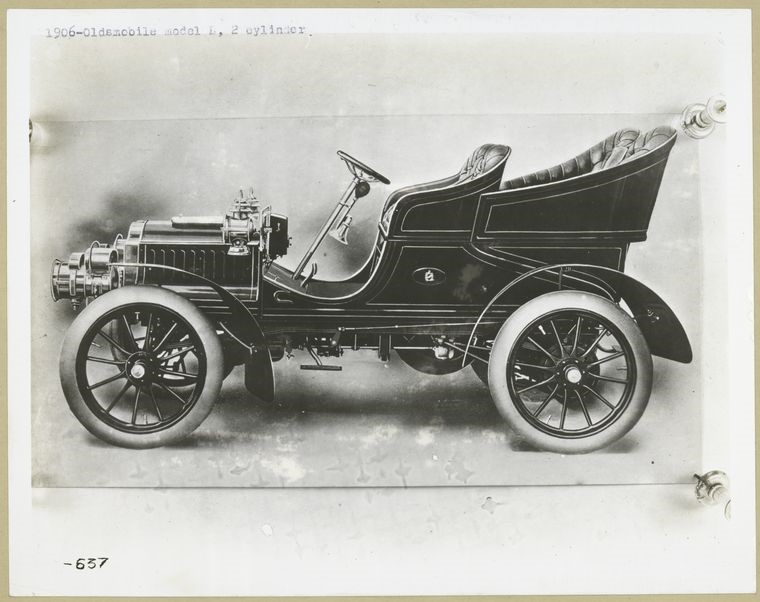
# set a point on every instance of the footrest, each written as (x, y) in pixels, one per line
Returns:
(322, 367)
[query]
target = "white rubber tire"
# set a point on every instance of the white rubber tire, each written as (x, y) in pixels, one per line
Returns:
(545, 305)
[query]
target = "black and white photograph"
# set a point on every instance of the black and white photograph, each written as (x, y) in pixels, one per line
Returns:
(368, 292)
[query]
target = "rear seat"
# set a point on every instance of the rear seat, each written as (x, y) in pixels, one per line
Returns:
(650, 141)
(620, 147)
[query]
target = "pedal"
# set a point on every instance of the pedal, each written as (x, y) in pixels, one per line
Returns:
(322, 367)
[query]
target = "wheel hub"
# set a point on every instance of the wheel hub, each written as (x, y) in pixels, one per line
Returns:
(573, 375)
(137, 371)
(140, 367)
(570, 372)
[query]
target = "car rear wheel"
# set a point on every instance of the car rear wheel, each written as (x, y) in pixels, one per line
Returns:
(570, 372)
(156, 381)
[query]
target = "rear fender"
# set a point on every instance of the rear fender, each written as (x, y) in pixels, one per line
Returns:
(242, 326)
(661, 328)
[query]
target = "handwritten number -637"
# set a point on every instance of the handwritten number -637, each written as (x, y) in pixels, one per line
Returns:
(90, 563)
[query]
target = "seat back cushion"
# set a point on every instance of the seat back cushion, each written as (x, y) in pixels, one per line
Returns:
(482, 160)
(650, 141)
(611, 151)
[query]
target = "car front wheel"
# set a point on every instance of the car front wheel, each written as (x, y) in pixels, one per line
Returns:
(156, 381)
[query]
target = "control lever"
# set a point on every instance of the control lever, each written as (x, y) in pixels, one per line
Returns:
(310, 275)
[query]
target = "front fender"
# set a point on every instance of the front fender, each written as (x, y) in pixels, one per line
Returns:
(661, 328)
(241, 326)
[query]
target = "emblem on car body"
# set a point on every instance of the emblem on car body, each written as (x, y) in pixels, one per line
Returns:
(429, 276)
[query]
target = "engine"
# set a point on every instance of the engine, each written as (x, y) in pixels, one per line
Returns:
(228, 250)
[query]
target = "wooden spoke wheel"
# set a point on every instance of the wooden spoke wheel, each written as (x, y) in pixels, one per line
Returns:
(571, 372)
(141, 367)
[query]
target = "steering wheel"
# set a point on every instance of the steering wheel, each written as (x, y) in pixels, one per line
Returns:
(354, 165)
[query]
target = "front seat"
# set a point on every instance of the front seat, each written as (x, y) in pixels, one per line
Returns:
(483, 160)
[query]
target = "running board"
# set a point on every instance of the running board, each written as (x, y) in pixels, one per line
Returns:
(321, 367)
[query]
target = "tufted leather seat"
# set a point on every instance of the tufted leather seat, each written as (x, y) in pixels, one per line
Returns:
(483, 159)
(613, 150)
(650, 141)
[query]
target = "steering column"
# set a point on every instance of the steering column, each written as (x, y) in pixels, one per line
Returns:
(340, 217)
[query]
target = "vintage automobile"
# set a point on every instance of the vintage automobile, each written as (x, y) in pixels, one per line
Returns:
(521, 279)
